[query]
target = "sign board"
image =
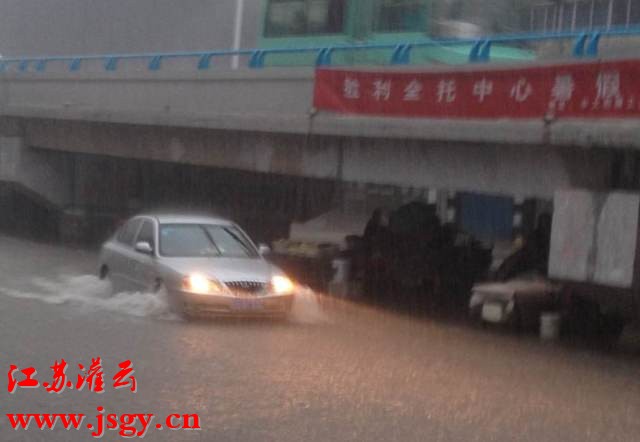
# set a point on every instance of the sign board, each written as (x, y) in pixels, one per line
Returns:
(594, 237)
(599, 89)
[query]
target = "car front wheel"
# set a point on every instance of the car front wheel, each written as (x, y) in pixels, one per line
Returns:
(174, 303)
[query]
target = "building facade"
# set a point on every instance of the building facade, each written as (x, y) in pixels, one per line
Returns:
(571, 15)
(71, 27)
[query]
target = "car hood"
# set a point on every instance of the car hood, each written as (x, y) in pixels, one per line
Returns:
(224, 269)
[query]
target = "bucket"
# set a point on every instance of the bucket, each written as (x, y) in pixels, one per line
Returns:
(550, 326)
(339, 285)
(341, 269)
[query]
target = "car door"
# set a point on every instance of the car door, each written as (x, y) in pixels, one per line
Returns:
(143, 264)
(120, 262)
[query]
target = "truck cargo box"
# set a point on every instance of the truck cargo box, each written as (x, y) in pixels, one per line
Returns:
(594, 238)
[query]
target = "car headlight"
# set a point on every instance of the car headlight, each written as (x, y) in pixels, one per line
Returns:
(281, 285)
(201, 285)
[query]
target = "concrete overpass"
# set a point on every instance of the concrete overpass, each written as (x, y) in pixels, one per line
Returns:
(262, 121)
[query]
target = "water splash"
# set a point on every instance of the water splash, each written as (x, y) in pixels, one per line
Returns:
(87, 293)
(307, 308)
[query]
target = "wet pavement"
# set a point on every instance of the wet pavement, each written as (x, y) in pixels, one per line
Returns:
(338, 371)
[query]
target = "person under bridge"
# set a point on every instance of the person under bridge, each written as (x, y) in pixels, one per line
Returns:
(532, 256)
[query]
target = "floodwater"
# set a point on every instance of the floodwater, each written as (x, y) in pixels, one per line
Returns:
(53, 281)
(338, 371)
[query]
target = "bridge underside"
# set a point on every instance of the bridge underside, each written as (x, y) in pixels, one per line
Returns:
(267, 180)
(518, 170)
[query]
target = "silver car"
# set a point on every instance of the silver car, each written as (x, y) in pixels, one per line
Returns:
(206, 265)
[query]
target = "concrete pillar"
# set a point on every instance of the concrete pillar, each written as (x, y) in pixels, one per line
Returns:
(38, 182)
(33, 184)
(10, 154)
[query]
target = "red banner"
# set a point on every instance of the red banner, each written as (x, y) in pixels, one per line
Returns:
(601, 89)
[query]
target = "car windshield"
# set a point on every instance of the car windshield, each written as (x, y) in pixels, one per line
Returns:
(201, 240)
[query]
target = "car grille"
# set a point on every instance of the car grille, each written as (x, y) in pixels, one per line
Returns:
(252, 287)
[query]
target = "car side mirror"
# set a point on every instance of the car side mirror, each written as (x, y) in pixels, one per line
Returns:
(144, 247)
(264, 249)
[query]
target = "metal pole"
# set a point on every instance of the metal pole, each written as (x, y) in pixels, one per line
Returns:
(560, 17)
(546, 18)
(237, 33)
(531, 19)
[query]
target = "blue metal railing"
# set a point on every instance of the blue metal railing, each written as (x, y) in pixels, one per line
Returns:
(586, 44)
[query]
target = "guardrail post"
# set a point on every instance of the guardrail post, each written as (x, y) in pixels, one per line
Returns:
(402, 54)
(155, 63)
(592, 47)
(578, 47)
(257, 60)
(480, 51)
(41, 65)
(324, 57)
(485, 51)
(475, 51)
(205, 62)
(111, 64)
(75, 64)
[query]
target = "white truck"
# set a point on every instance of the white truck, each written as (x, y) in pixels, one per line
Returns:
(593, 268)
(594, 256)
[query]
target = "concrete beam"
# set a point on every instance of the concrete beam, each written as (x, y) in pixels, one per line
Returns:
(522, 170)
(270, 101)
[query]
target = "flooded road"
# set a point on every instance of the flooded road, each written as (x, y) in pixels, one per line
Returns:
(337, 371)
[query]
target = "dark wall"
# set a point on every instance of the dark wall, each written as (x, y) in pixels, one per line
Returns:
(109, 188)
(23, 214)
